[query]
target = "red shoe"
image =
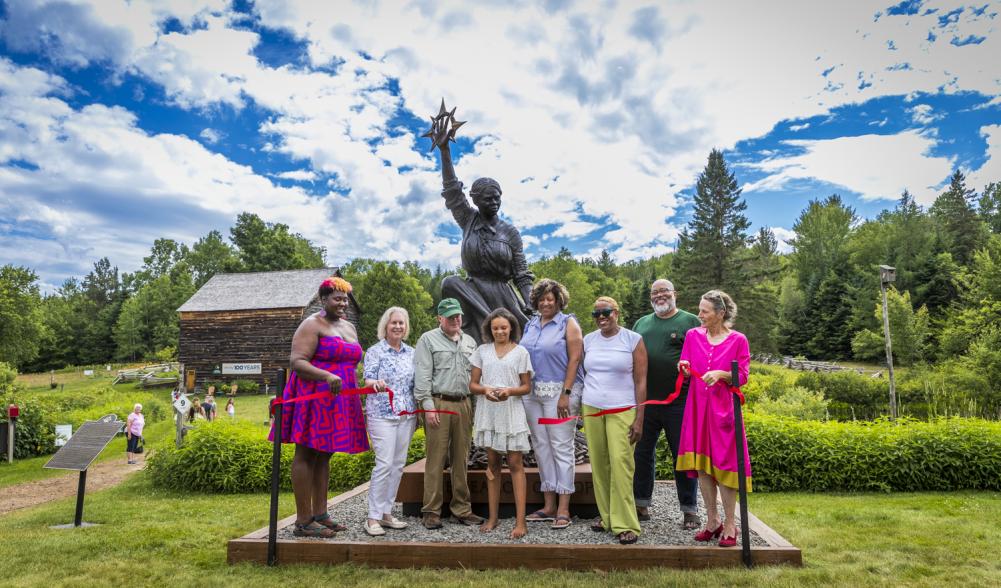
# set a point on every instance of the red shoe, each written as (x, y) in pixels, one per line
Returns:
(725, 541)
(707, 535)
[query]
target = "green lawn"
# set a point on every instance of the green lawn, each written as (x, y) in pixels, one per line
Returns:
(152, 537)
(248, 408)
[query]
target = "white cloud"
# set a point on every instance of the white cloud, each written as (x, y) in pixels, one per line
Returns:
(923, 114)
(575, 229)
(579, 109)
(990, 171)
(875, 166)
(299, 175)
(212, 136)
(783, 236)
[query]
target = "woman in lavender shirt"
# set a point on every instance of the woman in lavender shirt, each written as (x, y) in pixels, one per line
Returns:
(555, 345)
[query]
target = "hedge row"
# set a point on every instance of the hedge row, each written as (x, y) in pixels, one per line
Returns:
(225, 456)
(945, 454)
(786, 455)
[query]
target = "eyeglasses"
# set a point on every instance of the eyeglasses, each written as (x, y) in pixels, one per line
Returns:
(661, 292)
(605, 312)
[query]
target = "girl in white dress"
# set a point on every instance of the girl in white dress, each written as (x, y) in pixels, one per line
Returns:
(502, 370)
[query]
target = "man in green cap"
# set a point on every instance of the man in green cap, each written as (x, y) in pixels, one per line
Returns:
(441, 382)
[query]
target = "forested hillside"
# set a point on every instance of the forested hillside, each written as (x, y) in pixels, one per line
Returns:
(821, 300)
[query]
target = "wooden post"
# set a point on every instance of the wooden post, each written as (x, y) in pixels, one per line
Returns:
(276, 470)
(80, 489)
(887, 275)
(738, 433)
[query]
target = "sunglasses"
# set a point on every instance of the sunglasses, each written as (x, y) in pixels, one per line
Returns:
(605, 312)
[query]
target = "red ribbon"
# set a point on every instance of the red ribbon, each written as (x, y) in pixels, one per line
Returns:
(674, 396)
(357, 392)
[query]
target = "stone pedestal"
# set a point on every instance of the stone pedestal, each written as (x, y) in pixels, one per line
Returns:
(411, 492)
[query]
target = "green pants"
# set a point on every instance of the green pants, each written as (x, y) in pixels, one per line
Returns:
(612, 468)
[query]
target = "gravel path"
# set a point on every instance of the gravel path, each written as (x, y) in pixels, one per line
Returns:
(664, 528)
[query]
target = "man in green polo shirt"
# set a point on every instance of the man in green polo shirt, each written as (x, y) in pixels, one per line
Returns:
(441, 382)
(663, 333)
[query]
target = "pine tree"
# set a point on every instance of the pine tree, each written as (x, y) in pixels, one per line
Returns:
(962, 230)
(827, 318)
(990, 207)
(822, 232)
(712, 248)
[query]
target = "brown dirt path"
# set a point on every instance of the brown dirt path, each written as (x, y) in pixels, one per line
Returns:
(100, 475)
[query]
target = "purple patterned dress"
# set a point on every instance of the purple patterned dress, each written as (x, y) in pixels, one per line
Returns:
(329, 424)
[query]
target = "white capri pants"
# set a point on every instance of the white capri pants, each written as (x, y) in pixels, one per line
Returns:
(553, 444)
(390, 439)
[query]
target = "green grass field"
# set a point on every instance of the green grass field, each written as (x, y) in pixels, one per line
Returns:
(151, 537)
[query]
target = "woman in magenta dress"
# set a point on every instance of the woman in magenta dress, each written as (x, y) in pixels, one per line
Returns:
(707, 448)
(325, 352)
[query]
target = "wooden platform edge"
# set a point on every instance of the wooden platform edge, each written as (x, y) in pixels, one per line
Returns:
(253, 548)
(495, 556)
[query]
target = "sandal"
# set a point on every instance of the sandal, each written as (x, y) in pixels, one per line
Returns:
(539, 516)
(628, 537)
(329, 523)
(692, 521)
(598, 527)
(562, 522)
(312, 529)
(643, 515)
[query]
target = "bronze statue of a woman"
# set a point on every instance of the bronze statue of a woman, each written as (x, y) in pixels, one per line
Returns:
(492, 252)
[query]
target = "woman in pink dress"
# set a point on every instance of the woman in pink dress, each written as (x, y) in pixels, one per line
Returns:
(325, 353)
(707, 448)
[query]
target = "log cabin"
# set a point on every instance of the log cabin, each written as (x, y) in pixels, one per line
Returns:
(240, 326)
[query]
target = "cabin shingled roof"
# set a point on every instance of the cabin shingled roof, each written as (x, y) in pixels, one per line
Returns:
(257, 290)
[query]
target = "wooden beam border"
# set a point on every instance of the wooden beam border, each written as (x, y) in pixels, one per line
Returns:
(253, 548)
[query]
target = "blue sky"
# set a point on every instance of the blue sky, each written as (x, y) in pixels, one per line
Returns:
(124, 122)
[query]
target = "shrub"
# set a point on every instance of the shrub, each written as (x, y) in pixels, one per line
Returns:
(946, 454)
(793, 455)
(243, 387)
(797, 402)
(224, 456)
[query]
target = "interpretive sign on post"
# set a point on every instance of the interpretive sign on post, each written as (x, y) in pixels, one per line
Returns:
(80, 451)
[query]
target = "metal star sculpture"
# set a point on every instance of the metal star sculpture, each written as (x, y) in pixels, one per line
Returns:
(443, 127)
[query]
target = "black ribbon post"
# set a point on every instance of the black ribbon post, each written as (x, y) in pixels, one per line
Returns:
(276, 470)
(738, 422)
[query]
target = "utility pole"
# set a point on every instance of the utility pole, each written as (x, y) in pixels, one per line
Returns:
(887, 275)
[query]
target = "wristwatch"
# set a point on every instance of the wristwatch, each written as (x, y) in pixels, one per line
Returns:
(566, 391)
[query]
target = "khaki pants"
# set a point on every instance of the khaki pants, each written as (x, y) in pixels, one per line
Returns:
(452, 438)
(612, 468)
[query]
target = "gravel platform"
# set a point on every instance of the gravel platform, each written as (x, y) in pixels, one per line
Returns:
(664, 528)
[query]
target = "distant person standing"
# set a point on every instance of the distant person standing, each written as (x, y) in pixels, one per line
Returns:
(663, 333)
(209, 407)
(231, 409)
(134, 432)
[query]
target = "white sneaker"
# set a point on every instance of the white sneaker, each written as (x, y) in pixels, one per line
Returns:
(394, 523)
(374, 530)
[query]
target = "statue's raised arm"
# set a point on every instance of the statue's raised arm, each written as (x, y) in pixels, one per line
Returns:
(492, 252)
